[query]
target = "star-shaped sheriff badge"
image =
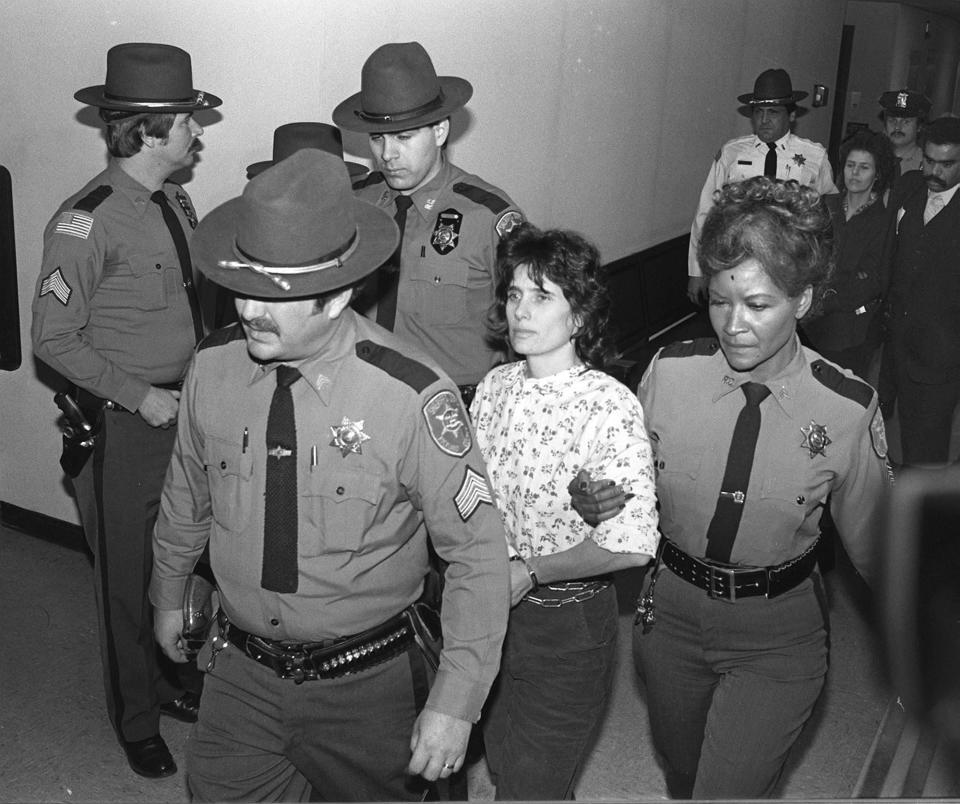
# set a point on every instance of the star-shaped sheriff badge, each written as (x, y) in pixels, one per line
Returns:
(348, 437)
(800, 159)
(815, 439)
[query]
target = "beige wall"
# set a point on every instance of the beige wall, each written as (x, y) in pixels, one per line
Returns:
(601, 115)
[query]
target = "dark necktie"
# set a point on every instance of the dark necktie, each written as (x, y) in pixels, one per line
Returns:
(280, 516)
(736, 477)
(770, 163)
(183, 256)
(387, 308)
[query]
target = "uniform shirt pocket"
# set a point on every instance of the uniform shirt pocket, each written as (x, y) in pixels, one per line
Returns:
(677, 477)
(152, 281)
(786, 505)
(229, 469)
(439, 290)
(339, 508)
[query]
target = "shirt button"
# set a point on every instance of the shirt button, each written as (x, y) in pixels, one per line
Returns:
(223, 464)
(158, 266)
(436, 280)
(340, 490)
(801, 499)
(274, 621)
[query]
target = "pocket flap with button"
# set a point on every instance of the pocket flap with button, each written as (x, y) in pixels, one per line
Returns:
(350, 484)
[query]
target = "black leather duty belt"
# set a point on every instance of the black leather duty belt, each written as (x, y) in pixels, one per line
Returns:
(728, 583)
(309, 661)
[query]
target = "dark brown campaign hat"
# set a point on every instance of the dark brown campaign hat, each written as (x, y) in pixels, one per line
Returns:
(292, 137)
(297, 230)
(147, 77)
(400, 90)
(772, 88)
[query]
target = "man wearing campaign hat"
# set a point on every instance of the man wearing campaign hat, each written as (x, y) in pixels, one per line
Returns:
(314, 450)
(772, 150)
(904, 113)
(436, 290)
(115, 313)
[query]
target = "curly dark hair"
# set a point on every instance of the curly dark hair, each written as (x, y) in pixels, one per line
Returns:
(879, 147)
(782, 225)
(570, 262)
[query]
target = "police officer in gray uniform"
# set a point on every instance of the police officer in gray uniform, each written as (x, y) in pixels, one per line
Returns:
(115, 313)
(436, 291)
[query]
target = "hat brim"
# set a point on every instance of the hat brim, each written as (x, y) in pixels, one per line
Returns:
(213, 242)
(750, 100)
(94, 96)
(355, 169)
(456, 93)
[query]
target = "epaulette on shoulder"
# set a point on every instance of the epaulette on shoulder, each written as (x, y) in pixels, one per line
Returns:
(704, 347)
(222, 336)
(485, 198)
(94, 198)
(398, 366)
(368, 181)
(837, 381)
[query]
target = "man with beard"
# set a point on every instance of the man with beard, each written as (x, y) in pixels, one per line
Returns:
(904, 113)
(116, 315)
(924, 340)
(772, 150)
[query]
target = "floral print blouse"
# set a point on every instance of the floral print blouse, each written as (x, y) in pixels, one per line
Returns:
(537, 434)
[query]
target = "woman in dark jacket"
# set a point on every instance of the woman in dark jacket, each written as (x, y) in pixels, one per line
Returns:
(849, 330)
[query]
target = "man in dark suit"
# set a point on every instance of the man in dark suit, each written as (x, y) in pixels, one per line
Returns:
(925, 297)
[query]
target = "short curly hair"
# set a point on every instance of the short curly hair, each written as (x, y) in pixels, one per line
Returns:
(879, 147)
(784, 226)
(573, 264)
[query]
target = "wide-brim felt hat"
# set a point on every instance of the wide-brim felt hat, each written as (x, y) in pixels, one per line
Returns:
(297, 230)
(772, 88)
(148, 77)
(292, 137)
(400, 90)
(904, 103)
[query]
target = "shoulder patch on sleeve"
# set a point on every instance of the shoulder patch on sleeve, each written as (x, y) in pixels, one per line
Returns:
(94, 198)
(703, 347)
(878, 434)
(398, 366)
(508, 222)
(369, 180)
(447, 423)
(837, 381)
(222, 336)
(74, 224)
(478, 195)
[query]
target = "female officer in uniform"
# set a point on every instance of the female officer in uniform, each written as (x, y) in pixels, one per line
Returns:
(751, 433)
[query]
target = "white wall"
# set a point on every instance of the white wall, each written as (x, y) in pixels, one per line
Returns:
(599, 115)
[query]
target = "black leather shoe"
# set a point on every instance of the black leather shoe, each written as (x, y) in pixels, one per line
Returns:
(150, 757)
(184, 708)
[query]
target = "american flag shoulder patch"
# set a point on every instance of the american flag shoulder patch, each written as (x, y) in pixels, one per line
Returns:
(75, 224)
(57, 285)
(473, 493)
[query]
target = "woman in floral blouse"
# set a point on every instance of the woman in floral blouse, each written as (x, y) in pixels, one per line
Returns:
(539, 422)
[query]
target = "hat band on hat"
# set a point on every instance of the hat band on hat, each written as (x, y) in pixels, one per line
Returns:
(195, 99)
(332, 259)
(399, 117)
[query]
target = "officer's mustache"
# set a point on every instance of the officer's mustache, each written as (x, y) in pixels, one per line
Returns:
(260, 325)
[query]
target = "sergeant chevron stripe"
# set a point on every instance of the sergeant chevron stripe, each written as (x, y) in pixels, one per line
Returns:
(473, 492)
(57, 285)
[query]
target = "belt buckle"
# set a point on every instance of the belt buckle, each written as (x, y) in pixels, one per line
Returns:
(296, 665)
(716, 576)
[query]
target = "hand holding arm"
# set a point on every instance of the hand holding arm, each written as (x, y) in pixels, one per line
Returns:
(159, 407)
(595, 500)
